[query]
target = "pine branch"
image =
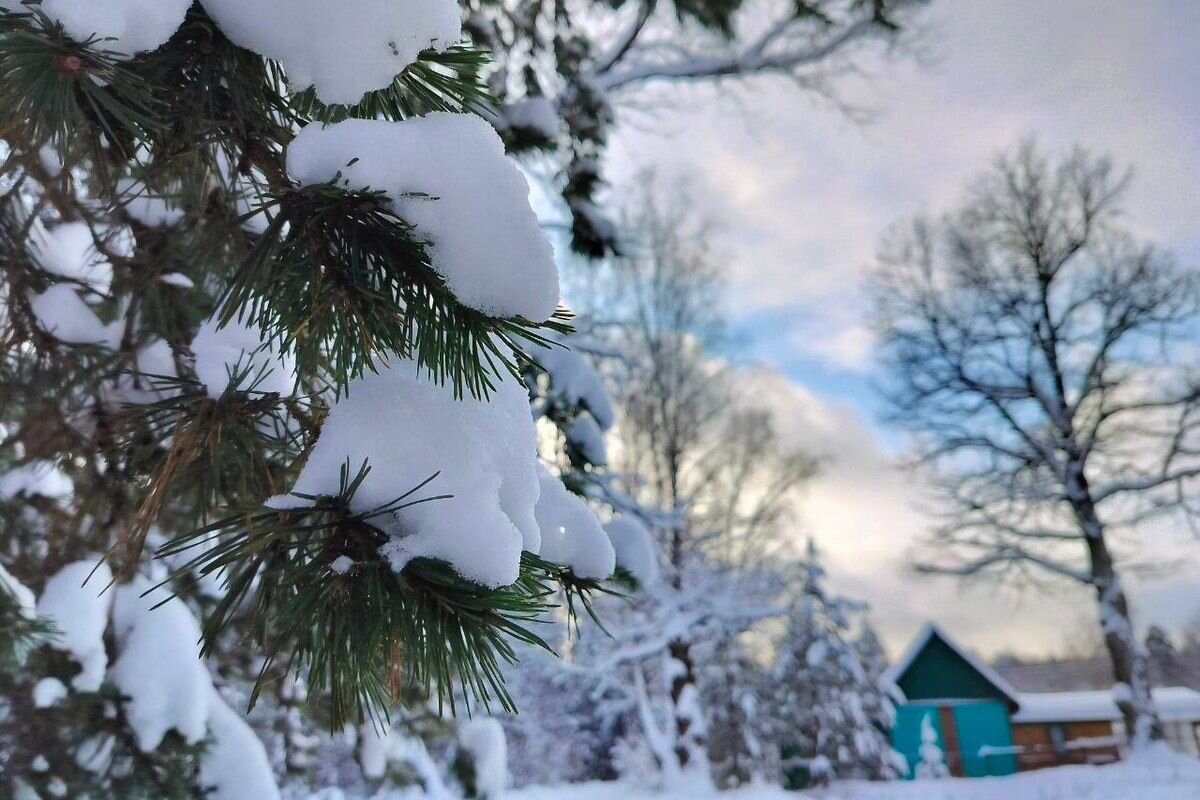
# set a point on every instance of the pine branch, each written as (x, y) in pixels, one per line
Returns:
(55, 89)
(451, 80)
(344, 281)
(361, 629)
(234, 98)
(19, 633)
(221, 450)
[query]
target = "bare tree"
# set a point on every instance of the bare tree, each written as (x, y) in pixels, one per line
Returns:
(587, 62)
(1038, 353)
(690, 446)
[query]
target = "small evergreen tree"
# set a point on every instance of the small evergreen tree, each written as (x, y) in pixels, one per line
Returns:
(737, 694)
(932, 761)
(831, 710)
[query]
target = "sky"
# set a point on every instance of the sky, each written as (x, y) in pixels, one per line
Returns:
(801, 194)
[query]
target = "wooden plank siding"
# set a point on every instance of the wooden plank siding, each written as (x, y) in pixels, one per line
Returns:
(1091, 742)
(950, 747)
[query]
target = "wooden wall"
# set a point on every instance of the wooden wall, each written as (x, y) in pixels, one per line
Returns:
(1038, 747)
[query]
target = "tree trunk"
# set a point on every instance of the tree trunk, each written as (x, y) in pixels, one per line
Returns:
(1131, 669)
(690, 730)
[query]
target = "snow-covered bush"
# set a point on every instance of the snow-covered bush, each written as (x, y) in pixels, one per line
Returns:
(931, 761)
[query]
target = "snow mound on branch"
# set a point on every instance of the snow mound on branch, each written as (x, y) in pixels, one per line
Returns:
(47, 692)
(536, 114)
(159, 667)
(585, 436)
(235, 765)
(634, 547)
(61, 313)
(155, 363)
(42, 478)
(178, 280)
(571, 534)
(483, 740)
(341, 49)
(374, 740)
(80, 613)
(407, 428)
(125, 26)
(149, 209)
(447, 175)
(574, 381)
(20, 592)
(69, 250)
(237, 348)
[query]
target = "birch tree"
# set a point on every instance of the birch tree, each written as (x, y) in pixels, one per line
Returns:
(1039, 353)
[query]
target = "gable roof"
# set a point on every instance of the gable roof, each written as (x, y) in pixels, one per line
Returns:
(895, 673)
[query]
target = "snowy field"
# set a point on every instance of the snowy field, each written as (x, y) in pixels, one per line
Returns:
(1155, 776)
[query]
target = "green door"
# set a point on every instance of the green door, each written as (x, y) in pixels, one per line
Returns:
(906, 731)
(984, 739)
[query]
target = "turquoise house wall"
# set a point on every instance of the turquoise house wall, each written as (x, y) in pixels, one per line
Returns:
(981, 738)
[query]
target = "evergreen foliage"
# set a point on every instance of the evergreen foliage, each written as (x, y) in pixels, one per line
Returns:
(170, 165)
(826, 699)
(173, 160)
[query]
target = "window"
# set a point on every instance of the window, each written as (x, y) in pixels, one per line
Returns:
(1058, 737)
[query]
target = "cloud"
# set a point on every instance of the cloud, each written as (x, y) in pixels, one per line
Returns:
(848, 348)
(803, 194)
(866, 512)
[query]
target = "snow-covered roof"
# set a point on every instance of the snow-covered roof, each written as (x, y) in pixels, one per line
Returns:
(1172, 702)
(892, 675)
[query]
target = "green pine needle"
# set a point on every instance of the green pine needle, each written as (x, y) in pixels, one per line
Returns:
(55, 89)
(369, 631)
(437, 81)
(345, 282)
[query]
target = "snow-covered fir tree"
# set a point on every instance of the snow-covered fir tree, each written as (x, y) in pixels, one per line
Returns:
(830, 711)
(737, 692)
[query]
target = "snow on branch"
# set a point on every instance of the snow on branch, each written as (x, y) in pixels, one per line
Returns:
(794, 41)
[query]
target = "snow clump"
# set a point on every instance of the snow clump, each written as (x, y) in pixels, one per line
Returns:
(571, 534)
(407, 428)
(80, 614)
(342, 50)
(634, 547)
(236, 349)
(447, 175)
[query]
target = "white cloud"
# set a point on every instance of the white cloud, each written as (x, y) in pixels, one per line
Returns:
(848, 348)
(803, 194)
(865, 513)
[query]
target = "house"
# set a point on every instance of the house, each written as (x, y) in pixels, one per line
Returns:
(985, 726)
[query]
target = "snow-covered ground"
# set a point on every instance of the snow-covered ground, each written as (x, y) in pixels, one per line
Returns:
(1158, 775)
